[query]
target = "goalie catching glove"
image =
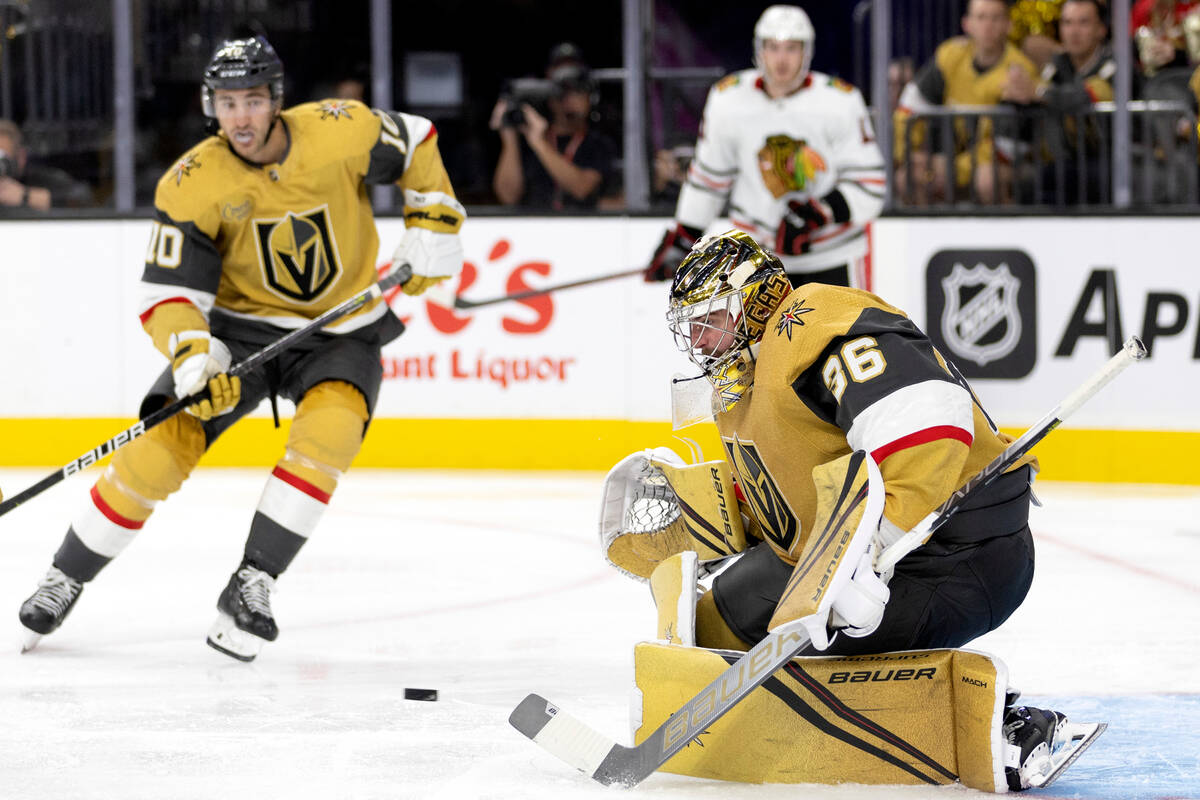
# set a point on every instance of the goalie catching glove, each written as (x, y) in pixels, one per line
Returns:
(198, 360)
(655, 506)
(430, 244)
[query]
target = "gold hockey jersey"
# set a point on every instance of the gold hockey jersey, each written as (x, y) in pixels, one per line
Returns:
(281, 243)
(840, 370)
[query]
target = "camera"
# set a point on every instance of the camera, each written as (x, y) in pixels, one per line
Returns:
(536, 92)
(8, 167)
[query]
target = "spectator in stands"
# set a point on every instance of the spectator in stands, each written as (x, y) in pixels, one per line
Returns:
(1035, 29)
(1073, 80)
(670, 171)
(969, 70)
(26, 184)
(559, 163)
(1158, 29)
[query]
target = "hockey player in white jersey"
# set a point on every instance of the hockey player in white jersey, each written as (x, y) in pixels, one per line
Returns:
(793, 152)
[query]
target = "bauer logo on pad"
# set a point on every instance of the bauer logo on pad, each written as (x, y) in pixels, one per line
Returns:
(982, 311)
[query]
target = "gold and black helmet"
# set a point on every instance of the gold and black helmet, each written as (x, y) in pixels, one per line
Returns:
(724, 292)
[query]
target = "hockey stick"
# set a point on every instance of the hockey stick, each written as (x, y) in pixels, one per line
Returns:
(398, 276)
(610, 763)
(460, 303)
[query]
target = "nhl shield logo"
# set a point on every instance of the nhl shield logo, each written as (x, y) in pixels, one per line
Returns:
(981, 308)
(981, 320)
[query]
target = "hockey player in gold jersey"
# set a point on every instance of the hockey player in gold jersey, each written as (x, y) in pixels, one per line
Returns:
(258, 230)
(809, 386)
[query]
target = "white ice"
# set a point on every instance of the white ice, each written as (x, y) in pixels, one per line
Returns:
(487, 586)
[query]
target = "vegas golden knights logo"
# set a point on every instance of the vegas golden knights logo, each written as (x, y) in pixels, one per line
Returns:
(298, 254)
(778, 522)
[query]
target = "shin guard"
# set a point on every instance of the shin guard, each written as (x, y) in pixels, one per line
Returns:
(324, 438)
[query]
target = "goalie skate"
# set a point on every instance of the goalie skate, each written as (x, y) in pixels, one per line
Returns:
(1043, 744)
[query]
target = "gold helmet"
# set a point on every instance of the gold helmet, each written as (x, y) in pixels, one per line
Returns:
(724, 292)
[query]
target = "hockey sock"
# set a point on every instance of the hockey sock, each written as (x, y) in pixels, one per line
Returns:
(324, 438)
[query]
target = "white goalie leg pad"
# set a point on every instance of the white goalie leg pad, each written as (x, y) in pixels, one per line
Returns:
(226, 636)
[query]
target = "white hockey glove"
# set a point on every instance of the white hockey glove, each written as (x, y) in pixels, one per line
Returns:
(430, 244)
(198, 360)
(858, 610)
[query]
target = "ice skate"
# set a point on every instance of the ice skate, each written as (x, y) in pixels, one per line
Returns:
(1042, 744)
(47, 607)
(244, 621)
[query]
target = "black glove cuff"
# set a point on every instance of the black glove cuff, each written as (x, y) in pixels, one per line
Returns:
(837, 204)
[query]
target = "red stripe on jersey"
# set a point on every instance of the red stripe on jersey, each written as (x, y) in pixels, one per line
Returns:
(145, 315)
(432, 133)
(297, 482)
(922, 437)
(111, 514)
(695, 174)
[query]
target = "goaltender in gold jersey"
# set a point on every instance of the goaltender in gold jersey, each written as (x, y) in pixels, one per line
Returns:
(843, 428)
(258, 230)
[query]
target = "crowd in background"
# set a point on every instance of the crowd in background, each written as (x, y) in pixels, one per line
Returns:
(558, 149)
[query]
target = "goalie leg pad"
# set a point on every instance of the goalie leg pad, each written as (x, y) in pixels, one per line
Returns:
(920, 717)
(673, 585)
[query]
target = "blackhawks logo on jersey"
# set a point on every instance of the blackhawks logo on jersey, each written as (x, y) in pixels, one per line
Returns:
(789, 165)
(297, 254)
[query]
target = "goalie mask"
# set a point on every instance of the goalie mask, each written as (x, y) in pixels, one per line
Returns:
(242, 64)
(724, 292)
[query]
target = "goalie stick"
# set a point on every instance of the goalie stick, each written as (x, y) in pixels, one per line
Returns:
(399, 275)
(462, 304)
(610, 763)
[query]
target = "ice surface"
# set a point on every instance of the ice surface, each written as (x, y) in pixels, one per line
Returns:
(487, 586)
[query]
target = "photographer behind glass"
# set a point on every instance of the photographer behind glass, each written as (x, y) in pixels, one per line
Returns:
(550, 158)
(25, 185)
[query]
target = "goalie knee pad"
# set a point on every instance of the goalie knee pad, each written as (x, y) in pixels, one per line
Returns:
(655, 506)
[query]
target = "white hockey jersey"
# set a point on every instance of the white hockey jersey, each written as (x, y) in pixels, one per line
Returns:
(761, 153)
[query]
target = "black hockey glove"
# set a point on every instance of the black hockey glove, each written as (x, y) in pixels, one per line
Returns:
(675, 245)
(802, 220)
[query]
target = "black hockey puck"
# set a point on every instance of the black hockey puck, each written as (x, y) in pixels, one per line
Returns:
(420, 694)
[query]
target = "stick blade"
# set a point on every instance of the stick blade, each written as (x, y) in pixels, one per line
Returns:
(562, 735)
